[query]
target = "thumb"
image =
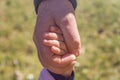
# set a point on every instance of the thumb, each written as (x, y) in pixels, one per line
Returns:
(64, 59)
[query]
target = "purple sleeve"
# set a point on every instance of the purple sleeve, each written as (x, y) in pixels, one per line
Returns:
(47, 75)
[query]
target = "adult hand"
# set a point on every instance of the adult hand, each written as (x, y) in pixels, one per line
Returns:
(63, 16)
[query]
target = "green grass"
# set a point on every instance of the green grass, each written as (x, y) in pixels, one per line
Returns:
(99, 28)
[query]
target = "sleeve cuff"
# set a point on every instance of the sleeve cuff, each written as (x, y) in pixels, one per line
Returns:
(37, 3)
(60, 77)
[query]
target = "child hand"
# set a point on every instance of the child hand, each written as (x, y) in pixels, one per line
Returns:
(54, 39)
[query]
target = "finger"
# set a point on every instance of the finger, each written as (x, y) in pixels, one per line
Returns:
(53, 36)
(51, 43)
(56, 43)
(57, 50)
(63, 46)
(66, 59)
(76, 52)
(69, 68)
(65, 70)
(55, 29)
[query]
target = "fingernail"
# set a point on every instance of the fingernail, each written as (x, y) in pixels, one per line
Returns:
(73, 57)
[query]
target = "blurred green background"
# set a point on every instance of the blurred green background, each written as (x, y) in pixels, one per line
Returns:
(99, 27)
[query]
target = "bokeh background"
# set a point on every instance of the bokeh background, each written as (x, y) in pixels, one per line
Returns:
(99, 28)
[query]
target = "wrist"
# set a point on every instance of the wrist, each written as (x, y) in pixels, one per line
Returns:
(65, 73)
(62, 77)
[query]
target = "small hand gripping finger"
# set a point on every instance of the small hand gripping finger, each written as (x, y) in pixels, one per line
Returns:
(58, 44)
(53, 36)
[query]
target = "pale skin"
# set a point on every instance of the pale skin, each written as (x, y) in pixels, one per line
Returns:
(62, 16)
(55, 41)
